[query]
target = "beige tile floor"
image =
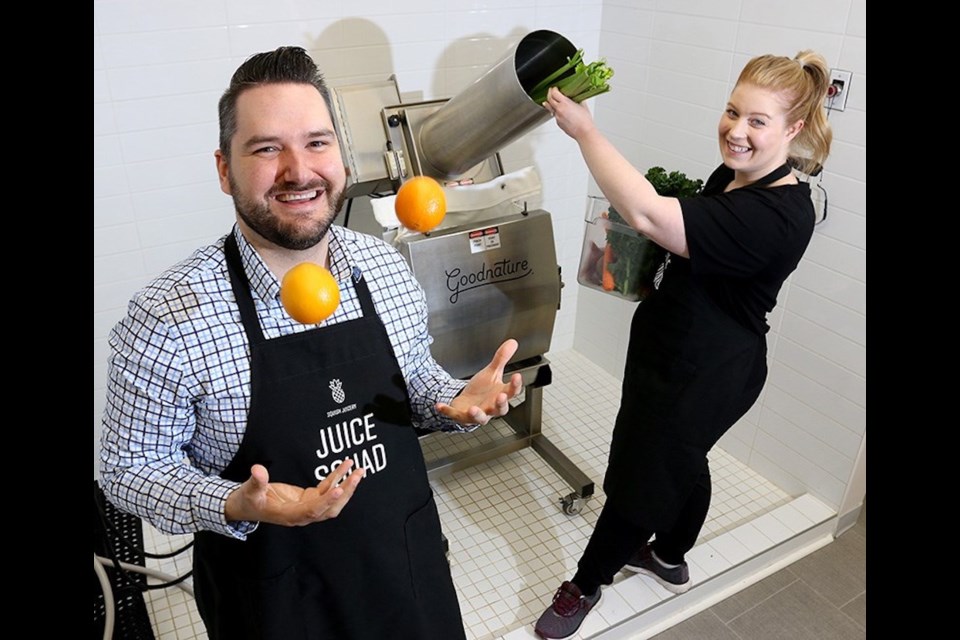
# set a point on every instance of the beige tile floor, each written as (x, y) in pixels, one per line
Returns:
(510, 544)
(822, 596)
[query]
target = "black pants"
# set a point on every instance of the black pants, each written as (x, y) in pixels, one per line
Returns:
(615, 538)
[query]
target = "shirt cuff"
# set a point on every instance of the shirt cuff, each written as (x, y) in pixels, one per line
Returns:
(211, 506)
(450, 391)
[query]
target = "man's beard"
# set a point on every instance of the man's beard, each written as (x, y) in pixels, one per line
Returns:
(257, 215)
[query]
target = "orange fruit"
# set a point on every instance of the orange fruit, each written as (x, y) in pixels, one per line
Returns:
(420, 204)
(309, 293)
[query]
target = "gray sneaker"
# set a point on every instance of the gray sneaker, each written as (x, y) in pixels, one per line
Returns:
(566, 614)
(674, 579)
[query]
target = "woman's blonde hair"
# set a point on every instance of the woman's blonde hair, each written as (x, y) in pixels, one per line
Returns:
(802, 82)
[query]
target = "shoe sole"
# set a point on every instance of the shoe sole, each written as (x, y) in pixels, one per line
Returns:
(669, 586)
(537, 633)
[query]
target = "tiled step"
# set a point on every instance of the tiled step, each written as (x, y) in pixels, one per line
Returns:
(636, 607)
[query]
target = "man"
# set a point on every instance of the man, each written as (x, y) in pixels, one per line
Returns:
(288, 449)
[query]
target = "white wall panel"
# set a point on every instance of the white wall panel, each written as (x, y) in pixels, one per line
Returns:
(164, 47)
(106, 151)
(632, 21)
(853, 55)
(166, 111)
(847, 193)
(781, 464)
(842, 254)
(112, 210)
(813, 15)
(822, 368)
(246, 39)
(691, 59)
(850, 125)
(728, 9)
(112, 239)
(630, 46)
(754, 39)
(844, 352)
(711, 33)
(841, 241)
(806, 397)
(832, 284)
(169, 142)
(799, 441)
(157, 258)
(101, 88)
(104, 121)
(109, 181)
(257, 11)
(848, 160)
(173, 172)
(139, 16)
(107, 265)
(779, 405)
(199, 196)
(814, 307)
(691, 88)
(130, 83)
(857, 19)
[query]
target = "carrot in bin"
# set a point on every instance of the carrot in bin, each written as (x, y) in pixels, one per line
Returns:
(608, 283)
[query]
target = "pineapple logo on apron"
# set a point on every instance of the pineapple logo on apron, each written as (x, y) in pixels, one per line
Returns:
(350, 437)
(336, 390)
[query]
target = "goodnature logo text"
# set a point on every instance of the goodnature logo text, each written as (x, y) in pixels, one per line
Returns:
(504, 270)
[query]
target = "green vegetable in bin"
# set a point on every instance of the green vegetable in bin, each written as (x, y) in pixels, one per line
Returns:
(576, 80)
(674, 184)
(632, 261)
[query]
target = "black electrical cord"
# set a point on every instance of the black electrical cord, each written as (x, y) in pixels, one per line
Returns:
(819, 169)
(816, 172)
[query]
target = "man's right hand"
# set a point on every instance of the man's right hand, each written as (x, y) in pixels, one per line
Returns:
(259, 500)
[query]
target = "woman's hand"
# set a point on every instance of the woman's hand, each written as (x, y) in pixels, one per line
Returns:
(573, 118)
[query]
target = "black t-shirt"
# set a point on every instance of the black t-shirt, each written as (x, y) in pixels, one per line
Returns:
(744, 243)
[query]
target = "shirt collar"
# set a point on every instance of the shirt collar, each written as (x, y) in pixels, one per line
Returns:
(265, 286)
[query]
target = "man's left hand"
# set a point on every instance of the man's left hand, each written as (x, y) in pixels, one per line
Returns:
(486, 396)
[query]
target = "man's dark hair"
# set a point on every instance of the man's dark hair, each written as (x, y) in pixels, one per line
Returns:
(282, 65)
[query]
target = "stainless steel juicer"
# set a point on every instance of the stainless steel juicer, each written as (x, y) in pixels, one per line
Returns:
(490, 269)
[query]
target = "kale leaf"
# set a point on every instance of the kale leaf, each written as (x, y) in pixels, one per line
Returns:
(634, 259)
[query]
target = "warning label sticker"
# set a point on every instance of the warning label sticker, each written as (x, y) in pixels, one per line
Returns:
(484, 239)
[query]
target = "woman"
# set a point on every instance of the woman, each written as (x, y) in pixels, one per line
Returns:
(696, 361)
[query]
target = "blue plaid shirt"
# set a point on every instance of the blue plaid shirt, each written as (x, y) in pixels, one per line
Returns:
(178, 380)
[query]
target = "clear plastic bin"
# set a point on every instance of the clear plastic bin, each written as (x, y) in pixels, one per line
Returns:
(615, 258)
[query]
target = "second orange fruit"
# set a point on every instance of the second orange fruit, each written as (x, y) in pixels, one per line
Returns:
(309, 293)
(420, 204)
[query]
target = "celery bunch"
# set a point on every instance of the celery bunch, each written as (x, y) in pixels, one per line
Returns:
(576, 80)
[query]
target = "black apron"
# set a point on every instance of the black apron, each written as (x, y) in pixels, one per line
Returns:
(691, 372)
(376, 571)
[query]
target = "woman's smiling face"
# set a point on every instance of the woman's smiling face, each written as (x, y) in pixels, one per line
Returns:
(753, 132)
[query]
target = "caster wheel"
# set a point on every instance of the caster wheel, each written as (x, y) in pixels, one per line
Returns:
(571, 504)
